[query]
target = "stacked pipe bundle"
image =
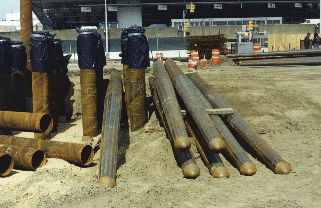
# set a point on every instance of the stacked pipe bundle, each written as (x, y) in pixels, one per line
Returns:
(75, 153)
(110, 131)
(135, 54)
(293, 57)
(91, 60)
(169, 111)
(206, 43)
(19, 68)
(41, 53)
(235, 121)
(5, 77)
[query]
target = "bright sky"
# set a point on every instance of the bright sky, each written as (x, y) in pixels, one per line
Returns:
(8, 6)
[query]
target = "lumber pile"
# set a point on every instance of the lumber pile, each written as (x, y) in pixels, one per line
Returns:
(204, 44)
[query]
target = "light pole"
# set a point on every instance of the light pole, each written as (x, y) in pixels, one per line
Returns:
(106, 30)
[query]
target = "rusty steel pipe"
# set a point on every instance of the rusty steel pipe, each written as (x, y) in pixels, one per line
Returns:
(110, 131)
(136, 96)
(283, 61)
(24, 121)
(233, 148)
(307, 52)
(235, 121)
(5, 97)
(24, 158)
(195, 108)
(40, 90)
(89, 102)
(6, 164)
(185, 158)
(171, 110)
(75, 153)
(212, 160)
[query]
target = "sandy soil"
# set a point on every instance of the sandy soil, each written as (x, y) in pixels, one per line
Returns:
(283, 104)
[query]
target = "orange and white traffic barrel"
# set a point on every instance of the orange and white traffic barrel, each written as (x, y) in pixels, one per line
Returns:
(215, 56)
(159, 57)
(257, 49)
(191, 65)
(195, 57)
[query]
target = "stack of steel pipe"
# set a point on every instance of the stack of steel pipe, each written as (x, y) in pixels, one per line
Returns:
(19, 68)
(80, 154)
(169, 111)
(233, 149)
(87, 60)
(110, 131)
(6, 164)
(41, 59)
(5, 77)
(293, 57)
(264, 151)
(195, 108)
(23, 157)
(137, 58)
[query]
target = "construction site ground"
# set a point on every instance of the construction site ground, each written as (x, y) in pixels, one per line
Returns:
(283, 104)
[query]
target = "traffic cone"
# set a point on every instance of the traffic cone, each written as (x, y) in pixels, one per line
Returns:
(204, 61)
(215, 57)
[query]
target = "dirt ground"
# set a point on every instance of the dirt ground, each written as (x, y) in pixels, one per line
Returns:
(283, 104)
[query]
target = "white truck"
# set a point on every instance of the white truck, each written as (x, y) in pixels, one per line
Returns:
(312, 21)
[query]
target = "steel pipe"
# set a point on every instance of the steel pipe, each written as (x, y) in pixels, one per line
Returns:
(40, 91)
(233, 148)
(212, 160)
(195, 108)
(6, 164)
(110, 131)
(235, 121)
(18, 91)
(89, 102)
(185, 158)
(307, 52)
(24, 158)
(75, 153)
(283, 61)
(171, 110)
(23, 121)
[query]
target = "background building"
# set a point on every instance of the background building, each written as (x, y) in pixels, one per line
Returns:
(67, 14)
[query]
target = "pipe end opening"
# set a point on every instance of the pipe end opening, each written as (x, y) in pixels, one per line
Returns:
(38, 159)
(46, 123)
(6, 166)
(87, 155)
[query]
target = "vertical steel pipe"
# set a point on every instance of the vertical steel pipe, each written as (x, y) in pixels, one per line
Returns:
(110, 131)
(25, 158)
(194, 107)
(75, 153)
(264, 151)
(5, 78)
(26, 29)
(137, 63)
(212, 160)
(24, 121)
(86, 48)
(40, 46)
(6, 164)
(185, 158)
(19, 68)
(171, 110)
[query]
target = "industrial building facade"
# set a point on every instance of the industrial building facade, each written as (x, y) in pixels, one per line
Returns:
(67, 14)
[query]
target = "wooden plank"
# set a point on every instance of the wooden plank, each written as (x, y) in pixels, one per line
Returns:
(218, 111)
